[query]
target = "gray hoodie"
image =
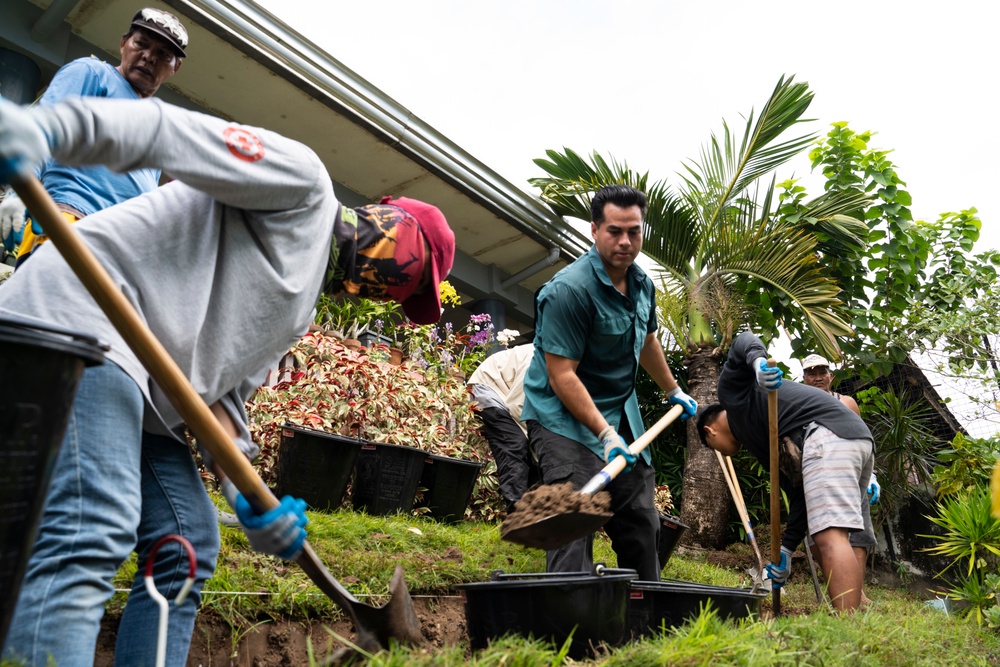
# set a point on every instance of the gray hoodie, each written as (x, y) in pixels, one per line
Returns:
(224, 264)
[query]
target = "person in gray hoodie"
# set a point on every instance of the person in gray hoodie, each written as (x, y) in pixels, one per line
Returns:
(225, 265)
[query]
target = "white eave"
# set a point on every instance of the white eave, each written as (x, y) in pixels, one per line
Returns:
(246, 65)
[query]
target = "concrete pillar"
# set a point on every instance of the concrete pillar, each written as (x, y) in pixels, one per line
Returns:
(19, 77)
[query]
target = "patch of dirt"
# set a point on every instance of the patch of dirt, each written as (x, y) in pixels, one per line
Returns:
(548, 499)
(283, 643)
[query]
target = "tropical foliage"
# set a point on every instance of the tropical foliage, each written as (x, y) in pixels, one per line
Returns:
(918, 285)
(971, 539)
(735, 248)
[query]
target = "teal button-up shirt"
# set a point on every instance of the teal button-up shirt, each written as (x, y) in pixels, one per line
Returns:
(580, 315)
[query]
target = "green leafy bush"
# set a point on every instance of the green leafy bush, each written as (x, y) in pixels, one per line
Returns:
(971, 540)
(966, 465)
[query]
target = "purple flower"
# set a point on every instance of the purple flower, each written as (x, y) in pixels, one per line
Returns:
(479, 338)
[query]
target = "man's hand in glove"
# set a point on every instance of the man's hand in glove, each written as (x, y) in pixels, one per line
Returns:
(614, 445)
(874, 490)
(26, 138)
(768, 377)
(778, 573)
(677, 397)
(11, 220)
(278, 532)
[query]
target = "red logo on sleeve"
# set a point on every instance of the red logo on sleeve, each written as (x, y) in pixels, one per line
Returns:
(243, 143)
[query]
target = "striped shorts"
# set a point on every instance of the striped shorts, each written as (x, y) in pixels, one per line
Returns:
(835, 474)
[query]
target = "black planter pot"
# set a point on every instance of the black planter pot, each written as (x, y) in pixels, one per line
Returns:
(315, 465)
(671, 530)
(42, 368)
(655, 605)
(591, 606)
(449, 483)
(386, 478)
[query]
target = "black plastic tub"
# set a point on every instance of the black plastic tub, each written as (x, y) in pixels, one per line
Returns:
(654, 605)
(590, 606)
(41, 368)
(449, 483)
(671, 530)
(315, 465)
(386, 478)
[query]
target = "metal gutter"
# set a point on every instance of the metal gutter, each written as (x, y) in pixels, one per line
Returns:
(541, 264)
(263, 37)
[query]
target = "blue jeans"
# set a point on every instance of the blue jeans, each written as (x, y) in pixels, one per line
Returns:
(115, 489)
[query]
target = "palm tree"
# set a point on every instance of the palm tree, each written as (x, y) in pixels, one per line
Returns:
(732, 254)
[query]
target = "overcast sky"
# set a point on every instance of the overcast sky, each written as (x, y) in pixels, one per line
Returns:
(648, 81)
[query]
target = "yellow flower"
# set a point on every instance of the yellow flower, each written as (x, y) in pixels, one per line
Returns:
(449, 297)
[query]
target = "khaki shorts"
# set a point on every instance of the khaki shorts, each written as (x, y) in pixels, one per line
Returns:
(835, 474)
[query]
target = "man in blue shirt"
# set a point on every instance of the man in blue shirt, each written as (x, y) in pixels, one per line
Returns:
(151, 52)
(595, 324)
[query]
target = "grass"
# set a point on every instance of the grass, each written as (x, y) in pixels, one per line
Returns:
(363, 550)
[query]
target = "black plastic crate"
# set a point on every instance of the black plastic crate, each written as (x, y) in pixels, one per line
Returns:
(671, 530)
(654, 605)
(41, 366)
(315, 465)
(386, 478)
(449, 483)
(592, 607)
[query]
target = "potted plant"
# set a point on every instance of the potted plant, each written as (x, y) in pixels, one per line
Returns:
(354, 393)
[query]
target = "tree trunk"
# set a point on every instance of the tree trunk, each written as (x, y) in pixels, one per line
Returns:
(705, 503)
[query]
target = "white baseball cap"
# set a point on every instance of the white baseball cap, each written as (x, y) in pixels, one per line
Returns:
(814, 360)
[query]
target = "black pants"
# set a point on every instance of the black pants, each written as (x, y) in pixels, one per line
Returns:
(515, 467)
(635, 527)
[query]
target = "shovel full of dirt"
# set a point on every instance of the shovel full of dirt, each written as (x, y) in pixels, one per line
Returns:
(375, 625)
(551, 516)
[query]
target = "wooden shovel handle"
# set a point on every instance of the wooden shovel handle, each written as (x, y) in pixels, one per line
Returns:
(772, 426)
(374, 625)
(617, 464)
(140, 339)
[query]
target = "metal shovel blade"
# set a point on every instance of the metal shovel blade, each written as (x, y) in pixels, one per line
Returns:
(556, 530)
(397, 619)
(375, 626)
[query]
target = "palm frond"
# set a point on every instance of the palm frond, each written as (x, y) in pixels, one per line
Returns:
(572, 180)
(784, 259)
(833, 219)
(728, 167)
(671, 233)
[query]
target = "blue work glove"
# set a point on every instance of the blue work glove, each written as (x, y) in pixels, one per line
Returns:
(614, 445)
(778, 573)
(768, 377)
(26, 139)
(278, 532)
(677, 397)
(874, 490)
(11, 221)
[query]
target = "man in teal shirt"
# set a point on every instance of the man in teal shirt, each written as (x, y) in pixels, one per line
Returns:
(595, 324)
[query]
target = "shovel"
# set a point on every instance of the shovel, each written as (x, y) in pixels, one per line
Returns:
(556, 530)
(772, 428)
(375, 625)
